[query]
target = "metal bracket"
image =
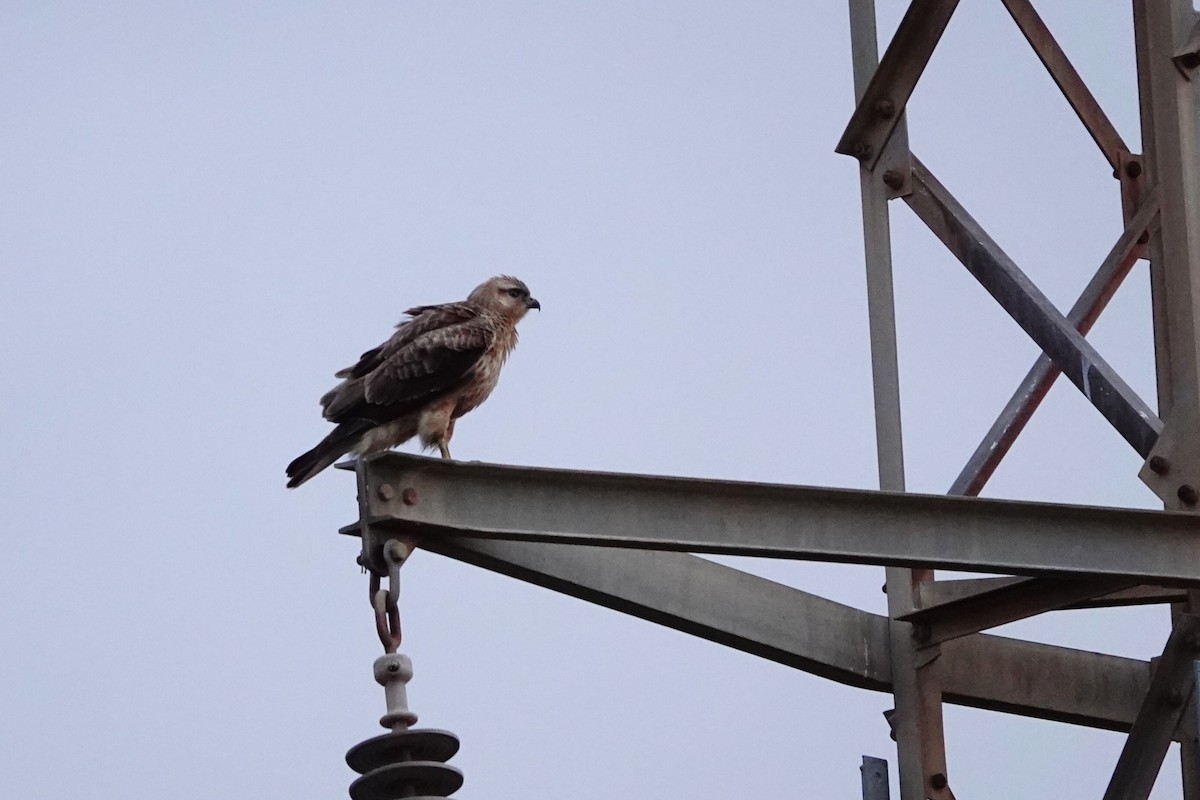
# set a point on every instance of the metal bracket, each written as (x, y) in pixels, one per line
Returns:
(1187, 57)
(1169, 471)
(376, 532)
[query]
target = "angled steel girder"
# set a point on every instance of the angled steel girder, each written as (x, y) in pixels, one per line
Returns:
(1072, 86)
(431, 497)
(893, 82)
(801, 630)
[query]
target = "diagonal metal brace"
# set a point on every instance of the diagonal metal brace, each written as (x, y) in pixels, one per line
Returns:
(1156, 722)
(1064, 74)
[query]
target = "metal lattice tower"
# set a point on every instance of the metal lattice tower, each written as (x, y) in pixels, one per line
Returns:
(627, 541)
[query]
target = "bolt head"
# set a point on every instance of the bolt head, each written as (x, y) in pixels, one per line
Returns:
(937, 780)
(1133, 168)
(409, 496)
(885, 108)
(386, 491)
(1188, 494)
(893, 178)
(863, 151)
(1159, 465)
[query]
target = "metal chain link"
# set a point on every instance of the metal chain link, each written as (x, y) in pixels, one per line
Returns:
(385, 601)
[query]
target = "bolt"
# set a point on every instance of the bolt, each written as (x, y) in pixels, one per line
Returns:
(1188, 494)
(409, 496)
(1159, 465)
(885, 108)
(937, 780)
(863, 151)
(1133, 168)
(893, 178)
(386, 491)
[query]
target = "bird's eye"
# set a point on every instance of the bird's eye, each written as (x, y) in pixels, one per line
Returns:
(514, 292)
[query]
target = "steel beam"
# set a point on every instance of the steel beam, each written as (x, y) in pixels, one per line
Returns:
(1008, 602)
(791, 627)
(1158, 718)
(1072, 86)
(893, 82)
(938, 592)
(1033, 311)
(433, 497)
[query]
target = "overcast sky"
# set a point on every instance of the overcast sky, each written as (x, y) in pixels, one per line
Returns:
(208, 208)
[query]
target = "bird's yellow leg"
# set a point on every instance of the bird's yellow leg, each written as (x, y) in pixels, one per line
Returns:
(445, 450)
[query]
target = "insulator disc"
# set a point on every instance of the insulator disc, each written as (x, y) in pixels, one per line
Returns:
(405, 779)
(411, 745)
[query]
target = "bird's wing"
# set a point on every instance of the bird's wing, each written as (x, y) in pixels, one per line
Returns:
(427, 355)
(428, 365)
(424, 319)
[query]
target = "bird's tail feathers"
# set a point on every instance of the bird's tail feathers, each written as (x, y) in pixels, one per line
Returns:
(339, 442)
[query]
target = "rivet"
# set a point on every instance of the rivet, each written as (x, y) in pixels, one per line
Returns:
(1159, 465)
(386, 491)
(893, 178)
(885, 108)
(1133, 168)
(937, 780)
(1187, 493)
(409, 496)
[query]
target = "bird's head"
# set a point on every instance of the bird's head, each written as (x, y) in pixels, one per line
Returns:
(504, 295)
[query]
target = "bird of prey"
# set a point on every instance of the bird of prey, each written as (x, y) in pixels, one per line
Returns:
(437, 366)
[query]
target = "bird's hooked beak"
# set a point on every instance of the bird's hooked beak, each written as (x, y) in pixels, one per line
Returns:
(533, 303)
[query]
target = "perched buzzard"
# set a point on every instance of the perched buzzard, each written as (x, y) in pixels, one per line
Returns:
(437, 366)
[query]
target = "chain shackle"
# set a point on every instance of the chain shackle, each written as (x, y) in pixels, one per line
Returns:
(384, 602)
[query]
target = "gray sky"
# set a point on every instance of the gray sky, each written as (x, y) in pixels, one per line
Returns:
(208, 208)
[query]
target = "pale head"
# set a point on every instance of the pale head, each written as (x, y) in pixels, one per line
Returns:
(504, 295)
